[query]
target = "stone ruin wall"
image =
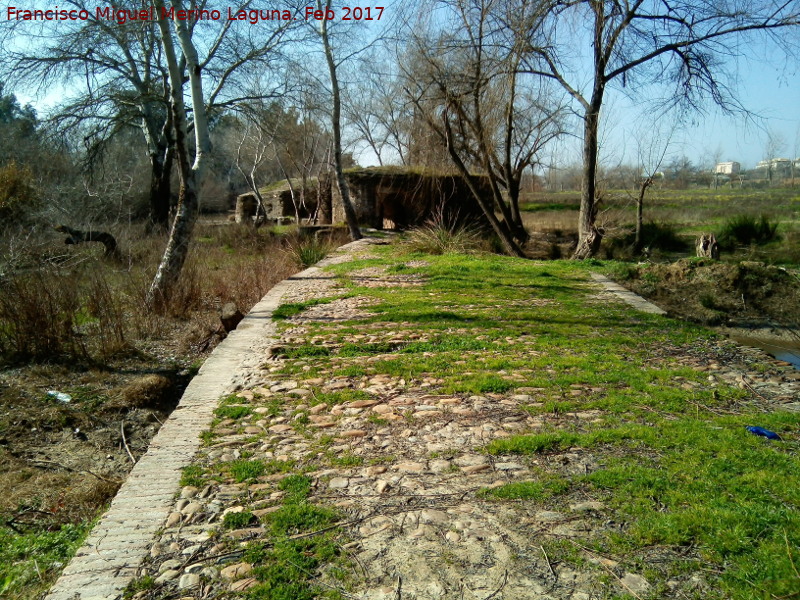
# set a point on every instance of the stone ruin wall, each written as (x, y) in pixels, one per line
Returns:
(381, 200)
(404, 200)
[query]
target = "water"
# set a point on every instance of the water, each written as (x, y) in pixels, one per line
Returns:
(788, 351)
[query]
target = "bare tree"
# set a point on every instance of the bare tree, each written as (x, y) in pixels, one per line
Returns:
(190, 171)
(274, 143)
(117, 76)
(378, 111)
(336, 119)
(251, 154)
(466, 81)
(652, 149)
(682, 42)
(776, 143)
(241, 52)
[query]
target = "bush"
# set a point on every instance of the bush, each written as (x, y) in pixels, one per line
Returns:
(17, 195)
(440, 237)
(656, 236)
(56, 313)
(39, 315)
(744, 230)
(308, 251)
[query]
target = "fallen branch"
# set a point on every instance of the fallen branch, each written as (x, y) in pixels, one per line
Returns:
(71, 470)
(500, 589)
(549, 565)
(125, 442)
(77, 236)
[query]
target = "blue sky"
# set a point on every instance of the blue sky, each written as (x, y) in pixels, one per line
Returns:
(764, 80)
(770, 91)
(768, 85)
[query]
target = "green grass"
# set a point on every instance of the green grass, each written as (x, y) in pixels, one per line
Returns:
(233, 412)
(546, 488)
(247, 470)
(299, 517)
(679, 476)
(285, 571)
(297, 487)
(341, 396)
(345, 460)
(238, 520)
(192, 475)
(706, 483)
(307, 350)
(30, 561)
(674, 464)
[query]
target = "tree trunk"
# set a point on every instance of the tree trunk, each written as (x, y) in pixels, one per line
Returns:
(324, 200)
(344, 190)
(513, 197)
(77, 236)
(512, 175)
(503, 233)
(637, 242)
(190, 174)
(180, 236)
(161, 186)
(589, 236)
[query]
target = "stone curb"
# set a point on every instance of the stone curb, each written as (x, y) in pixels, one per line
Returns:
(118, 544)
(635, 300)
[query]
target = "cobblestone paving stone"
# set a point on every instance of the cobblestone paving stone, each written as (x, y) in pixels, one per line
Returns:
(399, 463)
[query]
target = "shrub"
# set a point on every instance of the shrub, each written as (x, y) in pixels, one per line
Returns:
(106, 310)
(308, 251)
(39, 314)
(439, 237)
(656, 236)
(743, 230)
(17, 195)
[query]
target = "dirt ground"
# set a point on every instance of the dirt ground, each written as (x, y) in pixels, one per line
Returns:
(60, 461)
(746, 295)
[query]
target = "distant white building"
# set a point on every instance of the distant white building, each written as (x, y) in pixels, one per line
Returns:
(775, 163)
(728, 168)
(779, 168)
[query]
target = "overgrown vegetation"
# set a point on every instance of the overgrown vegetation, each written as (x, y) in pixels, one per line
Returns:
(678, 216)
(72, 321)
(743, 230)
(73, 304)
(288, 566)
(29, 560)
(307, 251)
(18, 198)
(655, 236)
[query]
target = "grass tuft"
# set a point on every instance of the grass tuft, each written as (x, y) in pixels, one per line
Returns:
(308, 251)
(744, 230)
(439, 236)
(238, 520)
